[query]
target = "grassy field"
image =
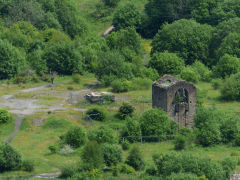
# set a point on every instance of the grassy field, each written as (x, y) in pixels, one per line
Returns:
(32, 140)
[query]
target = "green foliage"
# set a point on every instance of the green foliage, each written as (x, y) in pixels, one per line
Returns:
(155, 122)
(63, 58)
(180, 142)
(204, 73)
(112, 66)
(189, 39)
(76, 78)
(111, 3)
(103, 135)
(67, 171)
(27, 165)
(53, 123)
(75, 137)
(132, 128)
(96, 113)
(125, 145)
(182, 176)
(231, 88)
(119, 85)
(10, 159)
(226, 66)
(230, 45)
(125, 110)
(53, 149)
(229, 166)
(189, 74)
(135, 159)
(217, 83)
(112, 154)
(92, 155)
(184, 163)
(127, 16)
(11, 60)
(4, 116)
(166, 63)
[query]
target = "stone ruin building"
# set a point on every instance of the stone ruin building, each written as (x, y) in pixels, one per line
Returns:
(177, 98)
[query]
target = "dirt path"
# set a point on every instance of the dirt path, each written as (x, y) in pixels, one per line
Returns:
(18, 123)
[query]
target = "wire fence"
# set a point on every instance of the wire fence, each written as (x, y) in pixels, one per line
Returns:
(147, 139)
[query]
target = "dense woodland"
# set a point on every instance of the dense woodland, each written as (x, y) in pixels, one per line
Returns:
(198, 41)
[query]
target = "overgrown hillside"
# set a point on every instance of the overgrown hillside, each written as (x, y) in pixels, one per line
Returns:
(53, 53)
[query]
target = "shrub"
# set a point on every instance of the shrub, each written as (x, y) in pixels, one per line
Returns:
(226, 66)
(228, 166)
(127, 16)
(112, 154)
(27, 165)
(4, 116)
(141, 84)
(184, 163)
(66, 150)
(217, 83)
(132, 128)
(92, 155)
(231, 88)
(151, 170)
(125, 110)
(96, 113)
(103, 135)
(119, 85)
(76, 78)
(166, 63)
(237, 140)
(126, 169)
(188, 74)
(182, 176)
(10, 159)
(155, 122)
(67, 171)
(135, 160)
(204, 73)
(75, 137)
(53, 149)
(180, 142)
(125, 145)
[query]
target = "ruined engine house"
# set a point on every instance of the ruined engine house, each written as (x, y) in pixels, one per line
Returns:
(177, 98)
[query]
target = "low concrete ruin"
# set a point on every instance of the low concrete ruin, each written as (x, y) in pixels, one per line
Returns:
(177, 98)
(94, 97)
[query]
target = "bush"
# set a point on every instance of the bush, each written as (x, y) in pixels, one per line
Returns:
(204, 73)
(125, 110)
(112, 154)
(229, 165)
(141, 84)
(226, 66)
(135, 160)
(96, 113)
(180, 142)
(231, 88)
(166, 63)
(127, 16)
(237, 140)
(119, 85)
(182, 176)
(27, 165)
(67, 171)
(76, 78)
(53, 149)
(132, 128)
(4, 116)
(184, 163)
(10, 159)
(190, 75)
(103, 135)
(92, 155)
(217, 83)
(75, 137)
(155, 122)
(125, 145)
(66, 150)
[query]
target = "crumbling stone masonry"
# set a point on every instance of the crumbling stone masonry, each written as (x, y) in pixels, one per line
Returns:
(177, 98)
